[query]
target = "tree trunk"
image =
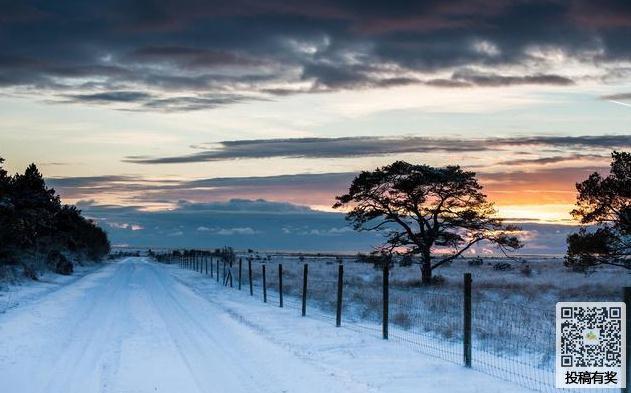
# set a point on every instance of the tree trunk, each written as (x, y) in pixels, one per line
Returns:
(426, 270)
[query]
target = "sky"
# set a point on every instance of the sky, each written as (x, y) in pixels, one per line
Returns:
(230, 122)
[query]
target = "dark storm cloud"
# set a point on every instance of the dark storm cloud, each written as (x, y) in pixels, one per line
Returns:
(187, 48)
(372, 146)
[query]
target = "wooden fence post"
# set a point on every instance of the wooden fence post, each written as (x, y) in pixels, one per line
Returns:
(280, 285)
(217, 275)
(386, 298)
(206, 260)
(212, 273)
(250, 276)
(264, 286)
(229, 277)
(240, 263)
(230, 274)
(340, 283)
(467, 320)
(305, 273)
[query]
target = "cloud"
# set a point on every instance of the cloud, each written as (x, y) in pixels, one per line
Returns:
(239, 223)
(88, 181)
(164, 104)
(131, 227)
(552, 159)
(373, 146)
(298, 228)
(531, 186)
(237, 231)
(473, 78)
(188, 57)
(619, 96)
(111, 96)
(186, 53)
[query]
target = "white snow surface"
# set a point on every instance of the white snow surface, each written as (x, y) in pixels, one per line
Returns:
(137, 326)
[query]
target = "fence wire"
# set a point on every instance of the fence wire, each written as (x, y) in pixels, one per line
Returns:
(509, 341)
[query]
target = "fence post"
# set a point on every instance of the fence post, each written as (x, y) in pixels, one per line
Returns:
(386, 298)
(467, 320)
(340, 282)
(250, 276)
(224, 271)
(305, 273)
(264, 286)
(280, 284)
(217, 275)
(206, 261)
(627, 301)
(212, 273)
(240, 273)
(230, 274)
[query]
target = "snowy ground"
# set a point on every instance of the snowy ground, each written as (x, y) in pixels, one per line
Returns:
(22, 292)
(136, 326)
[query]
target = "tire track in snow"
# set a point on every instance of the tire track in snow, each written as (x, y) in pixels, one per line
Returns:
(87, 351)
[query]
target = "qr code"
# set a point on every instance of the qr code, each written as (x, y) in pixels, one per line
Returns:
(590, 344)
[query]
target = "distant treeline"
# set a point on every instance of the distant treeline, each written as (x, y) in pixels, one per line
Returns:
(38, 231)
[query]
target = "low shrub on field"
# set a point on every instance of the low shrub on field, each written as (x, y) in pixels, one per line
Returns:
(502, 266)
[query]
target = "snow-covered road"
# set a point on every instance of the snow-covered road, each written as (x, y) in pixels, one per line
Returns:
(134, 326)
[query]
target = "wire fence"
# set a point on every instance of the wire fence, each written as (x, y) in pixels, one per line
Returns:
(510, 341)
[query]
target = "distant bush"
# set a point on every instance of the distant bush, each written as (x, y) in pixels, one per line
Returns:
(402, 319)
(378, 260)
(406, 260)
(228, 255)
(438, 280)
(502, 266)
(477, 261)
(526, 270)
